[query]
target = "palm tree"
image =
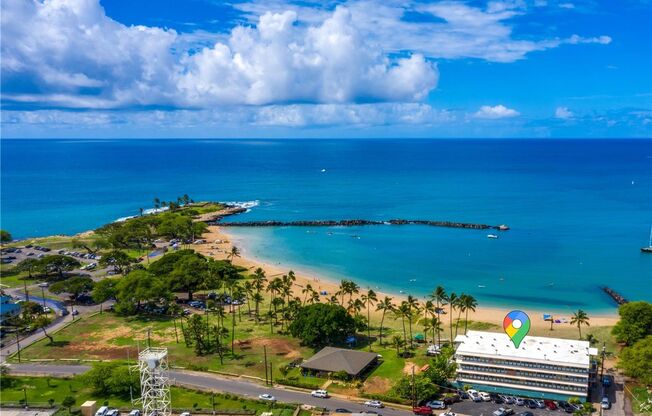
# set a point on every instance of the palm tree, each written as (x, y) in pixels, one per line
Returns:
(440, 297)
(259, 280)
(429, 309)
(460, 309)
(397, 342)
(580, 318)
(157, 203)
(369, 299)
(235, 252)
(307, 290)
(413, 310)
(436, 327)
(384, 305)
(402, 311)
(469, 303)
(313, 297)
(452, 302)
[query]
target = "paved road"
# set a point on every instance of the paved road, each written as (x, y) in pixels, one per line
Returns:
(60, 321)
(213, 382)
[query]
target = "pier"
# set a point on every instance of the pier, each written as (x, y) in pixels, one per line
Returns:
(617, 297)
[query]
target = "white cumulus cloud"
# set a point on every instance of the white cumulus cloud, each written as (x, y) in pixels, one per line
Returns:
(495, 112)
(563, 113)
(68, 53)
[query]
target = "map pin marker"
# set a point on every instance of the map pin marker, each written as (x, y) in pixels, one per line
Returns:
(516, 325)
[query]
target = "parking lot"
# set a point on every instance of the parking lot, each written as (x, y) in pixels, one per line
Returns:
(468, 407)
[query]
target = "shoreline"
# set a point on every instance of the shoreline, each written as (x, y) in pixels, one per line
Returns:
(491, 314)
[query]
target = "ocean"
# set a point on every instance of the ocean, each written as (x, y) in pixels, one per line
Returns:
(579, 210)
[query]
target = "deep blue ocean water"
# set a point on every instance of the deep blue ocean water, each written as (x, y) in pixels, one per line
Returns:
(579, 209)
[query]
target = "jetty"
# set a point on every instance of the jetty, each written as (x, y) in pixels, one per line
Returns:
(357, 223)
(215, 218)
(617, 297)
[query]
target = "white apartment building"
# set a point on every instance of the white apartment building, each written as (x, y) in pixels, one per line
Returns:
(541, 367)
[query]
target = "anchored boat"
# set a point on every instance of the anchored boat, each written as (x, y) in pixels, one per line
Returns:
(648, 249)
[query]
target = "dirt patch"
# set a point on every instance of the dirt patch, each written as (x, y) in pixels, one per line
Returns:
(409, 367)
(277, 346)
(113, 333)
(92, 350)
(377, 385)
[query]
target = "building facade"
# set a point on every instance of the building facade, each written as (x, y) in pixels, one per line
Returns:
(549, 368)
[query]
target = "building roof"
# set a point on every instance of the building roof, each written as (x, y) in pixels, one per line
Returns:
(338, 359)
(537, 349)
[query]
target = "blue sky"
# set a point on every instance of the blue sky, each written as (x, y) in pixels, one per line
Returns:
(358, 68)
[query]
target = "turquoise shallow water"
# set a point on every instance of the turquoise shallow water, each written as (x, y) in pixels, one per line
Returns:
(579, 210)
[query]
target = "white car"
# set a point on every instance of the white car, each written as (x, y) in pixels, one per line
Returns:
(436, 404)
(322, 394)
(605, 404)
(485, 396)
(374, 403)
(134, 412)
(185, 414)
(113, 412)
(448, 414)
(267, 397)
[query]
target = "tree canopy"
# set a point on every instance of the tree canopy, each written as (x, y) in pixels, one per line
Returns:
(635, 322)
(112, 379)
(75, 286)
(322, 324)
(5, 236)
(58, 264)
(636, 360)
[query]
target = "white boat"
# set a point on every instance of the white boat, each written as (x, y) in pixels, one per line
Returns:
(648, 249)
(492, 236)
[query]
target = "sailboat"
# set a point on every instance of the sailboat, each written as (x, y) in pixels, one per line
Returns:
(648, 249)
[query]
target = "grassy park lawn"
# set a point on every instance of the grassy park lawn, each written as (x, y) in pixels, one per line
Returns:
(111, 337)
(42, 389)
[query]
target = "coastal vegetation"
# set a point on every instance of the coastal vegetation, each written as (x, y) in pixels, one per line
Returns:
(634, 330)
(5, 236)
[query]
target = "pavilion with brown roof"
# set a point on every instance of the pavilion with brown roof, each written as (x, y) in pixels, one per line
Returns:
(333, 360)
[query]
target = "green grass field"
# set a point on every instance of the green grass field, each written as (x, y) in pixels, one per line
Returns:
(40, 390)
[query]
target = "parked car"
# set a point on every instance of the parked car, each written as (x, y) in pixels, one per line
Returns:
(525, 414)
(43, 284)
(267, 397)
(342, 411)
(374, 403)
(436, 404)
(185, 414)
(134, 412)
(550, 404)
(519, 401)
(322, 394)
(503, 411)
(567, 407)
(112, 412)
(540, 404)
(422, 410)
(606, 381)
(463, 394)
(496, 398)
(531, 404)
(102, 411)
(605, 403)
(448, 414)
(453, 398)
(485, 396)
(509, 400)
